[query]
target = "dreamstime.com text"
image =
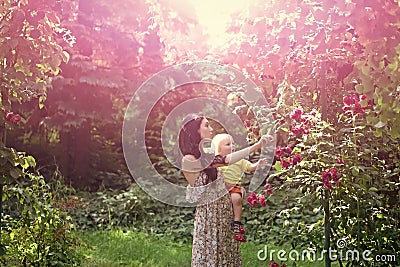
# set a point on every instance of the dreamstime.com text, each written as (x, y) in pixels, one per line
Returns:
(313, 256)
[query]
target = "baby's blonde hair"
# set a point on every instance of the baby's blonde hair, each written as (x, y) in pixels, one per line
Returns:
(217, 140)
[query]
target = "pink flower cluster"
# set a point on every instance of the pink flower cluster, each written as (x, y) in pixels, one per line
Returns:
(268, 189)
(254, 130)
(284, 154)
(329, 176)
(303, 121)
(11, 117)
(352, 104)
(274, 264)
(253, 199)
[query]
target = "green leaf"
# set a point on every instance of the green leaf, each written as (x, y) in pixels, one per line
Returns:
(365, 70)
(278, 166)
(372, 119)
(31, 161)
(364, 103)
(359, 88)
(394, 132)
(373, 189)
(13, 43)
(378, 132)
(355, 171)
(15, 173)
(394, 65)
(2, 250)
(380, 124)
(24, 164)
(3, 161)
(55, 63)
(5, 152)
(65, 56)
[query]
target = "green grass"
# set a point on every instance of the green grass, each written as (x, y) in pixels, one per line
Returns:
(118, 248)
(136, 249)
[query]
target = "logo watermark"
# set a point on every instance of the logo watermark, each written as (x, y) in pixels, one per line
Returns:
(341, 253)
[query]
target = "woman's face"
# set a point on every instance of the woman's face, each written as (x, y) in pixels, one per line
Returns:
(205, 129)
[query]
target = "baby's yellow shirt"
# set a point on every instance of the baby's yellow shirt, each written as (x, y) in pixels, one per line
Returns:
(233, 173)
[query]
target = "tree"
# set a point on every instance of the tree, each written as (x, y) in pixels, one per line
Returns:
(31, 41)
(116, 48)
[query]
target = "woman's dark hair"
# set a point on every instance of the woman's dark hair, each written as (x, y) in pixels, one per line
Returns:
(189, 136)
(189, 140)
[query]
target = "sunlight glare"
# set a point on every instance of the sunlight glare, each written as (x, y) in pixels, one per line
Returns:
(214, 15)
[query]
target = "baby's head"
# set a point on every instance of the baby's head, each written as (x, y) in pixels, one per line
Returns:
(223, 144)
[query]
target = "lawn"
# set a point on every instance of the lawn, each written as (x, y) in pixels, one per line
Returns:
(137, 249)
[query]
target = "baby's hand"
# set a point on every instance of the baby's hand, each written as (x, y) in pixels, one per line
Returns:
(262, 162)
(266, 140)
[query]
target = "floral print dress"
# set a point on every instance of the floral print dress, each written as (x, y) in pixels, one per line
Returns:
(213, 241)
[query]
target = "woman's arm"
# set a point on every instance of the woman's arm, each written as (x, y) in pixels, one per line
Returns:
(191, 168)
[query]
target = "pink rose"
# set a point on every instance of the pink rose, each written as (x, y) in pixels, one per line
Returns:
(262, 200)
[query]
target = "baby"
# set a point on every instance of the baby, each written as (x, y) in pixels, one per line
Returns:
(224, 145)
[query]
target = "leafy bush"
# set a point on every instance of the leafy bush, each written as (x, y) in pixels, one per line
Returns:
(343, 165)
(135, 209)
(34, 232)
(131, 208)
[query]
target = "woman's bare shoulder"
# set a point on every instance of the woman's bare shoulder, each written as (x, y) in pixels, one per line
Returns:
(189, 157)
(191, 164)
(190, 168)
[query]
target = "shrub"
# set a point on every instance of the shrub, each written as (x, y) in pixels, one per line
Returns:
(34, 232)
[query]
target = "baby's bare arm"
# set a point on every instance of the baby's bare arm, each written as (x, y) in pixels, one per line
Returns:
(253, 166)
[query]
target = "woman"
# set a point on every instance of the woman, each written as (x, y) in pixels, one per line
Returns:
(213, 240)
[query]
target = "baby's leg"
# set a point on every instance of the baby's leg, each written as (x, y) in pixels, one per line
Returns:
(237, 206)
